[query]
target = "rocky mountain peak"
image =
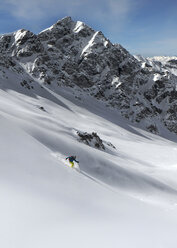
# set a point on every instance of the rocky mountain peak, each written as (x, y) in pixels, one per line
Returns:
(65, 21)
(72, 54)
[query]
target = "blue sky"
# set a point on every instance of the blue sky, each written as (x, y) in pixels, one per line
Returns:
(146, 27)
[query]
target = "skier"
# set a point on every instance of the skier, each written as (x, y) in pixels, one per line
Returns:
(71, 159)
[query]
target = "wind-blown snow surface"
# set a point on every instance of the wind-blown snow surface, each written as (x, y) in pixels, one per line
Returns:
(128, 199)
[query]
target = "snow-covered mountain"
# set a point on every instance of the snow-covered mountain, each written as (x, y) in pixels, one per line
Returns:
(63, 92)
(72, 54)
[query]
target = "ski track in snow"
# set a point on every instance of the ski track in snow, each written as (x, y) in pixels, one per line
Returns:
(130, 191)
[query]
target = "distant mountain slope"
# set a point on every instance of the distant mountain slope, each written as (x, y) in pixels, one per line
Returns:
(72, 54)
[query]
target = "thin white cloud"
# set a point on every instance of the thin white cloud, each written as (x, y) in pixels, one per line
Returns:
(121, 7)
(109, 16)
(26, 9)
(163, 47)
(167, 44)
(115, 14)
(37, 9)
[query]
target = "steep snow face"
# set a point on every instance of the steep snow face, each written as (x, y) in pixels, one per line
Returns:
(19, 35)
(78, 27)
(126, 191)
(54, 119)
(95, 45)
(72, 54)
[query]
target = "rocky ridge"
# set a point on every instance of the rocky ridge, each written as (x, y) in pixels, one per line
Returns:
(72, 54)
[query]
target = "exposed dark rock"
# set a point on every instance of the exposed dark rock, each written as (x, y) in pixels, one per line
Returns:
(153, 129)
(91, 139)
(72, 54)
(42, 108)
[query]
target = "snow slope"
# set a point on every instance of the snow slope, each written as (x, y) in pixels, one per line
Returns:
(125, 197)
